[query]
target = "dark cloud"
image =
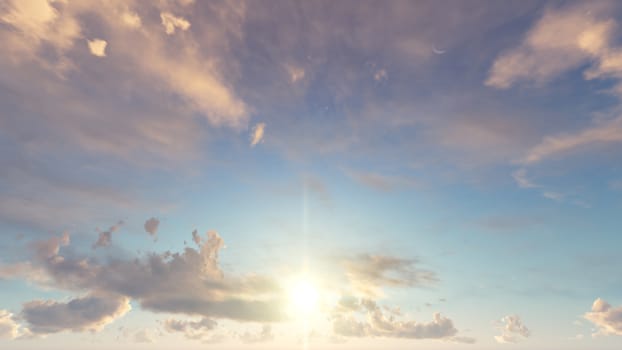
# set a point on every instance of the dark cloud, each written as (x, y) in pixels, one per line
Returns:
(151, 226)
(105, 237)
(90, 313)
(190, 282)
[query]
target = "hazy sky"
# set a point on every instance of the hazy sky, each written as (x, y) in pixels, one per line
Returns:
(310, 174)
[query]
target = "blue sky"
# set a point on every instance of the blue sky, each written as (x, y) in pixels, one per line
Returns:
(314, 175)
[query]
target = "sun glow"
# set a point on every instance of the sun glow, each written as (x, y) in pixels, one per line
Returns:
(303, 297)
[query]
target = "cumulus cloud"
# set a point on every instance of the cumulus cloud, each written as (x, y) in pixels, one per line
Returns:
(97, 47)
(105, 237)
(190, 282)
(347, 322)
(9, 328)
(512, 329)
(172, 22)
(263, 336)
(191, 329)
(606, 318)
(89, 313)
(257, 134)
(151, 226)
(368, 274)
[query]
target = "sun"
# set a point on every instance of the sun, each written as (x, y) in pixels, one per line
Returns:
(303, 297)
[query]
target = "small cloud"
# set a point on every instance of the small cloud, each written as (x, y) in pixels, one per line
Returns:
(381, 75)
(257, 134)
(105, 237)
(172, 22)
(295, 73)
(98, 47)
(265, 335)
(512, 329)
(143, 336)
(151, 226)
(553, 195)
(191, 329)
(520, 176)
(131, 19)
(369, 273)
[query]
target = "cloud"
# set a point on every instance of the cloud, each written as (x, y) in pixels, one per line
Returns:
(105, 237)
(9, 328)
(606, 318)
(265, 335)
(563, 39)
(378, 324)
(257, 134)
(90, 313)
(50, 247)
(151, 226)
(602, 133)
(143, 336)
(172, 22)
(381, 75)
(97, 47)
(190, 283)
(368, 274)
(131, 19)
(295, 73)
(191, 329)
(520, 176)
(512, 329)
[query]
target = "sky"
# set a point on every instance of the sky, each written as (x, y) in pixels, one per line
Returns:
(310, 174)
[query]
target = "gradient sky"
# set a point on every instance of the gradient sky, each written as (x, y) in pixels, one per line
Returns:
(310, 174)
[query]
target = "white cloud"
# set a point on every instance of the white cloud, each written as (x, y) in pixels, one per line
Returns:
(375, 323)
(563, 39)
(512, 329)
(257, 134)
(263, 336)
(295, 73)
(600, 133)
(606, 318)
(131, 19)
(9, 329)
(520, 176)
(172, 22)
(97, 47)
